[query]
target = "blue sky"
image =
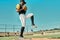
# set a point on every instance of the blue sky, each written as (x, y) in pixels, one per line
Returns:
(47, 13)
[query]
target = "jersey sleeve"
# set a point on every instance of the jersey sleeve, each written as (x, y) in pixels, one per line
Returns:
(18, 6)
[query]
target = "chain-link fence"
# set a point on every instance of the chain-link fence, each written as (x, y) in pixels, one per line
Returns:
(10, 29)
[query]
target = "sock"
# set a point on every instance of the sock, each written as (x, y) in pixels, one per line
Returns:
(32, 20)
(22, 30)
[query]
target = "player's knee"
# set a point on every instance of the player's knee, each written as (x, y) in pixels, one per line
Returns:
(31, 14)
(23, 25)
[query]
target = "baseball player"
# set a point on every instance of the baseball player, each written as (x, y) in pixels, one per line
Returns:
(21, 9)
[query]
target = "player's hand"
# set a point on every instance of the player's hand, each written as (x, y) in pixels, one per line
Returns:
(17, 10)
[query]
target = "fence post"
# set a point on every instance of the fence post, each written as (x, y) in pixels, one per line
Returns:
(5, 29)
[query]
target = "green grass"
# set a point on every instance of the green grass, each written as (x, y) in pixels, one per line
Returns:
(8, 38)
(48, 36)
(45, 36)
(30, 36)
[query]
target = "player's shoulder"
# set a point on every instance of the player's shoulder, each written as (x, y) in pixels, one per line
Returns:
(17, 6)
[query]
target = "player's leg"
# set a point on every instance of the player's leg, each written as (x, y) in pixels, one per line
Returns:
(22, 18)
(31, 16)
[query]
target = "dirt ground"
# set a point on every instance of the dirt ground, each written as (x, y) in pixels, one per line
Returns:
(41, 39)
